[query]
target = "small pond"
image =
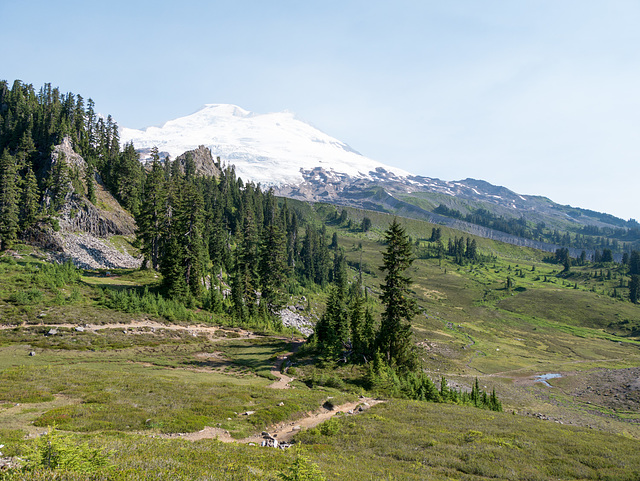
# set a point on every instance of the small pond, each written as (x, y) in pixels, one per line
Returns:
(544, 377)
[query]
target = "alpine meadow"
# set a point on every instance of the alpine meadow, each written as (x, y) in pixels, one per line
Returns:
(164, 317)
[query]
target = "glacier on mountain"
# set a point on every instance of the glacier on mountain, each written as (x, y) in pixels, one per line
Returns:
(272, 149)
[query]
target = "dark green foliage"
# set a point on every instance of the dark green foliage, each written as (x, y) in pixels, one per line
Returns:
(151, 218)
(394, 337)
(315, 262)
(29, 201)
(8, 201)
(273, 268)
(130, 300)
(126, 179)
(333, 328)
(634, 263)
(634, 289)
(59, 183)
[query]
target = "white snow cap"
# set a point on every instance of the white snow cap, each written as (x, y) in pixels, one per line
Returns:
(268, 148)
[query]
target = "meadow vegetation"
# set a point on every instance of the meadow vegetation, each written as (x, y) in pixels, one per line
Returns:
(120, 388)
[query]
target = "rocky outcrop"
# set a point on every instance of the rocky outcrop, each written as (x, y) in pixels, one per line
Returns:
(73, 159)
(80, 230)
(203, 161)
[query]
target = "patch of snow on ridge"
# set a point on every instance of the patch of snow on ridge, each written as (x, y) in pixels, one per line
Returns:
(271, 149)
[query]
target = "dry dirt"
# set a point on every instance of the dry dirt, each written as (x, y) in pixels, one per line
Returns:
(283, 432)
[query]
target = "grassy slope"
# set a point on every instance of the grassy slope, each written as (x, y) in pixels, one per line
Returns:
(118, 388)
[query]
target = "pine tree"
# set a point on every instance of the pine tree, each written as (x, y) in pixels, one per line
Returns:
(634, 263)
(60, 182)
(634, 289)
(151, 219)
(245, 279)
(127, 178)
(8, 201)
(273, 268)
(189, 218)
(89, 176)
(173, 280)
(394, 337)
(29, 205)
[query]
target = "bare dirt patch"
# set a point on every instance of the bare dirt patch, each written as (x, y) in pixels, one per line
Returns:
(283, 432)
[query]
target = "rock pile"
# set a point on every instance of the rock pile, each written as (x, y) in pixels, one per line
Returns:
(90, 252)
(291, 318)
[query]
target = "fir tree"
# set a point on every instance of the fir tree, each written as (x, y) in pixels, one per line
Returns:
(151, 219)
(634, 289)
(273, 268)
(29, 205)
(89, 180)
(8, 201)
(394, 338)
(60, 182)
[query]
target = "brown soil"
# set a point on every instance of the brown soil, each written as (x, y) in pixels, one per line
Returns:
(283, 432)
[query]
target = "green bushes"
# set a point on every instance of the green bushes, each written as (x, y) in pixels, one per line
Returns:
(53, 451)
(131, 301)
(27, 297)
(55, 276)
(418, 386)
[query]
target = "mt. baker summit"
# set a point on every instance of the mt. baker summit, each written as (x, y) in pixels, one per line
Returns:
(299, 161)
(272, 149)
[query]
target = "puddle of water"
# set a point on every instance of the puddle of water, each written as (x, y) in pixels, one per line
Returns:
(544, 377)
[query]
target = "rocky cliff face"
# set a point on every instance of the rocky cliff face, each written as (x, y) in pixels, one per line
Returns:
(87, 231)
(202, 159)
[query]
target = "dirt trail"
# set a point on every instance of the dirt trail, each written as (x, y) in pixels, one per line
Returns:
(283, 432)
(284, 380)
(144, 324)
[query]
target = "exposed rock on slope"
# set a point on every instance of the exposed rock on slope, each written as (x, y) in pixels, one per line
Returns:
(203, 161)
(86, 229)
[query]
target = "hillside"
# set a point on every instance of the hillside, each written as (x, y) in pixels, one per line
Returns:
(471, 328)
(280, 151)
(185, 363)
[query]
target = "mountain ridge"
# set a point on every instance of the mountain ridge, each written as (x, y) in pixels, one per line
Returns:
(279, 151)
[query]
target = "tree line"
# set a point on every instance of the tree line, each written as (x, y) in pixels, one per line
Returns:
(617, 239)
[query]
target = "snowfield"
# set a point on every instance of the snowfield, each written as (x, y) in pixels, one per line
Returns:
(271, 149)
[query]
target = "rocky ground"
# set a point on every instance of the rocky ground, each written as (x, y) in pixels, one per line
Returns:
(291, 318)
(617, 389)
(90, 252)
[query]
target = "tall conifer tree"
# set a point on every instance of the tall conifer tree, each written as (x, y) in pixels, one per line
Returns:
(394, 338)
(8, 201)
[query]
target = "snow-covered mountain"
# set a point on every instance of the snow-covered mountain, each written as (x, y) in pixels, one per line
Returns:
(272, 149)
(301, 162)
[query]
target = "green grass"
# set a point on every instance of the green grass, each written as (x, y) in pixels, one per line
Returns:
(118, 389)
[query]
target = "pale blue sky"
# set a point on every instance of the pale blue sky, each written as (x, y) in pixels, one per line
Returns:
(540, 96)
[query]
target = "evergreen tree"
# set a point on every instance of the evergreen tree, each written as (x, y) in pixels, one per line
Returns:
(634, 289)
(89, 180)
(59, 182)
(189, 218)
(151, 219)
(173, 280)
(634, 263)
(273, 268)
(8, 201)
(245, 279)
(333, 328)
(29, 205)
(394, 337)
